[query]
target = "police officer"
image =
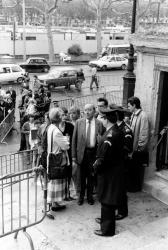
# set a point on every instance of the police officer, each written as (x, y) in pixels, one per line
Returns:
(128, 146)
(109, 166)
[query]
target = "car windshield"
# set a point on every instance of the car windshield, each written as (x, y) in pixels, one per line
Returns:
(103, 59)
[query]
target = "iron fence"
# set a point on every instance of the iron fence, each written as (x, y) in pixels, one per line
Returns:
(22, 203)
(114, 96)
(6, 125)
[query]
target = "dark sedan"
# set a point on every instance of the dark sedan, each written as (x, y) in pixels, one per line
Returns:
(36, 64)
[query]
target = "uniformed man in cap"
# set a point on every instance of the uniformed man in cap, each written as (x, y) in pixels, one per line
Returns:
(109, 166)
(128, 146)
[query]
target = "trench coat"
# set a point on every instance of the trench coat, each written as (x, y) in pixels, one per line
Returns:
(109, 166)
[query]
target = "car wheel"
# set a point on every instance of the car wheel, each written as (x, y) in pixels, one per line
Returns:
(123, 66)
(104, 68)
(20, 80)
(51, 86)
(45, 70)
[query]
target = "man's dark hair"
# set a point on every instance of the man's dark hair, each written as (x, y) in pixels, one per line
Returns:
(135, 100)
(101, 99)
(65, 110)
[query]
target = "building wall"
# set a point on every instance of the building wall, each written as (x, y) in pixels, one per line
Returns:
(148, 71)
(62, 41)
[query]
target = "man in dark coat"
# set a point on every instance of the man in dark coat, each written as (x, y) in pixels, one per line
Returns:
(128, 146)
(84, 145)
(109, 166)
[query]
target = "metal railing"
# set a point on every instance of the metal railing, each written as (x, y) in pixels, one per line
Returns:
(22, 204)
(6, 125)
(114, 96)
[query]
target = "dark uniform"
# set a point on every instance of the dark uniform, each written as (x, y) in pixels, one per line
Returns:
(128, 146)
(109, 166)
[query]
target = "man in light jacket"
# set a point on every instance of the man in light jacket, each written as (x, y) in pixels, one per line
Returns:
(140, 128)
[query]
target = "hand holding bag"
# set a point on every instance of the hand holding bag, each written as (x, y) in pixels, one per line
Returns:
(56, 168)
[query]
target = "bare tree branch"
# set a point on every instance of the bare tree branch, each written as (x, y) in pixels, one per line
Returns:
(35, 8)
(52, 9)
(13, 6)
(139, 15)
(89, 6)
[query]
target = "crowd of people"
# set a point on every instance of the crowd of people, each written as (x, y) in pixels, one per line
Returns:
(105, 149)
(33, 105)
(105, 152)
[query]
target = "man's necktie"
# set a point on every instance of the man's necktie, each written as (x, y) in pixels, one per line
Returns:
(88, 135)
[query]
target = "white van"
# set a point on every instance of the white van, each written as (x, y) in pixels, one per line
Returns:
(11, 73)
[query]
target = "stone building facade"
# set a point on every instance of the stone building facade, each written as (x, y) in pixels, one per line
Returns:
(152, 89)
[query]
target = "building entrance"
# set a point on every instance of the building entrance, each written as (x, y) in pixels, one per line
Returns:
(162, 145)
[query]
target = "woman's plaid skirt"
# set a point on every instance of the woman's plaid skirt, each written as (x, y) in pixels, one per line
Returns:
(56, 190)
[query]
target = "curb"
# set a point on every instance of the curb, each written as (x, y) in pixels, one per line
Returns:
(67, 64)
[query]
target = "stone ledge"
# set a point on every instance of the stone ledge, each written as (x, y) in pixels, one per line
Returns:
(157, 189)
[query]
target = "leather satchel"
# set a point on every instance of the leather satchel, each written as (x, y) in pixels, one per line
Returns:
(56, 168)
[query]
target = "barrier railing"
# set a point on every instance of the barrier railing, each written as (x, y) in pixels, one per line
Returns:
(6, 125)
(22, 205)
(114, 96)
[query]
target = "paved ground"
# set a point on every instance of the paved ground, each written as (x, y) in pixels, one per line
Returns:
(73, 228)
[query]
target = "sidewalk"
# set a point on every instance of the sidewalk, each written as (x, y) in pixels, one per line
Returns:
(146, 228)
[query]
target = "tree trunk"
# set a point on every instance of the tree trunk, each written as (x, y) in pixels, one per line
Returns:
(50, 37)
(99, 42)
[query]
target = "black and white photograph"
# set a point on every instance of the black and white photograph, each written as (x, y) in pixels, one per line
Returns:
(84, 124)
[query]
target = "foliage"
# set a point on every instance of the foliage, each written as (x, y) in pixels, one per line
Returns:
(75, 50)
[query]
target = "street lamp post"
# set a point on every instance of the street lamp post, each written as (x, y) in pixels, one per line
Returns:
(24, 30)
(130, 78)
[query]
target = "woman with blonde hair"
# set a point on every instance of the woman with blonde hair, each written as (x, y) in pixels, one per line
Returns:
(56, 142)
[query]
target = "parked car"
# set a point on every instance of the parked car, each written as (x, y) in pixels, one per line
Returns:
(36, 64)
(61, 77)
(64, 57)
(11, 73)
(109, 62)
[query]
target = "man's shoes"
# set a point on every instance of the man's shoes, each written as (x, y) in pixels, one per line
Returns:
(120, 216)
(100, 233)
(98, 220)
(80, 202)
(91, 202)
(58, 208)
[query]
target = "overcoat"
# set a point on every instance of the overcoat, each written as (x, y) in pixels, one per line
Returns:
(109, 166)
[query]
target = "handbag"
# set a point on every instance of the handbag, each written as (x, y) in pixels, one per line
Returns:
(56, 168)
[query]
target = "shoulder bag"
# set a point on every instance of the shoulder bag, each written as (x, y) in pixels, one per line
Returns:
(56, 168)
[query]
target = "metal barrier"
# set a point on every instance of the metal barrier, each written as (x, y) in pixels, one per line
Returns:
(6, 125)
(114, 96)
(21, 203)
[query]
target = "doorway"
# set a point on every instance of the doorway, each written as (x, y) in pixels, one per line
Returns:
(162, 148)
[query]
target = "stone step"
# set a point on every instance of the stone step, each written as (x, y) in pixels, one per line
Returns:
(162, 176)
(158, 189)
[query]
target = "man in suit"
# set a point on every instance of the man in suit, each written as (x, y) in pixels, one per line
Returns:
(86, 134)
(140, 128)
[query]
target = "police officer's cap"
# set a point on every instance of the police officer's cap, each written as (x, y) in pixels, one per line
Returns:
(119, 108)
